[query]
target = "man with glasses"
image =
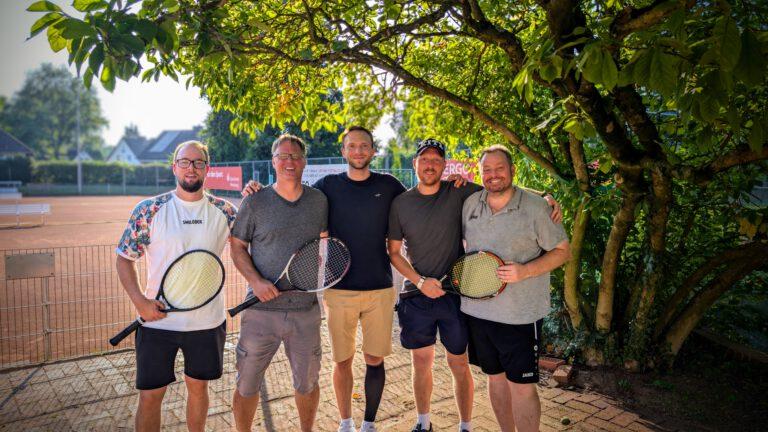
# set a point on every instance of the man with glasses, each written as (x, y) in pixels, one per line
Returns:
(165, 227)
(270, 227)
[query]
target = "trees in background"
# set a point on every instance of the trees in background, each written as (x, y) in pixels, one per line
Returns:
(648, 118)
(42, 114)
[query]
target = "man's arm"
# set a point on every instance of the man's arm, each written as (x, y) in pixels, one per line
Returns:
(262, 288)
(148, 309)
(514, 272)
(431, 287)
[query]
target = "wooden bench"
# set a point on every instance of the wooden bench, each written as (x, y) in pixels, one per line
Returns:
(19, 210)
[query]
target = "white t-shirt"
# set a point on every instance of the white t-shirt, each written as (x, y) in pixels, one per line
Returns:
(164, 227)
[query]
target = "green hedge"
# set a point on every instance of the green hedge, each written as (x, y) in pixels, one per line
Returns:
(16, 168)
(99, 172)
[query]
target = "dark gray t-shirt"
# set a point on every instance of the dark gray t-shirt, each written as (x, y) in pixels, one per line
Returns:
(431, 227)
(275, 229)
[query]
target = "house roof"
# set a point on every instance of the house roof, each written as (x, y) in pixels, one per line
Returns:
(159, 148)
(9, 144)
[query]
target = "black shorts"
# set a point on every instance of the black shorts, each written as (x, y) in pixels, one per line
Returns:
(156, 354)
(420, 318)
(509, 348)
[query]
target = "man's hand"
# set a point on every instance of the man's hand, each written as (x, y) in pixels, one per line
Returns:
(264, 290)
(512, 272)
(251, 188)
(458, 180)
(432, 288)
(150, 309)
(557, 214)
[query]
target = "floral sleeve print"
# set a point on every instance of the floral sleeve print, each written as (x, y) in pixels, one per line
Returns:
(135, 239)
(226, 207)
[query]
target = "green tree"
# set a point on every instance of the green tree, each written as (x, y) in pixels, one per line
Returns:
(42, 113)
(648, 117)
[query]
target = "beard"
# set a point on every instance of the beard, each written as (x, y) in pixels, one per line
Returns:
(359, 165)
(498, 187)
(191, 186)
(431, 180)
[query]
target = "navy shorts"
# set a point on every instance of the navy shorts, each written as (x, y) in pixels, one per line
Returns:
(508, 348)
(156, 354)
(421, 317)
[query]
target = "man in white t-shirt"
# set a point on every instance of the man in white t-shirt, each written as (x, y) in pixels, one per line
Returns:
(164, 227)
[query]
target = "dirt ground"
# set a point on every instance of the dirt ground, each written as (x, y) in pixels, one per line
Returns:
(74, 221)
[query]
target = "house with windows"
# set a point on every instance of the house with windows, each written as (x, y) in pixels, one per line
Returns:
(10, 146)
(138, 150)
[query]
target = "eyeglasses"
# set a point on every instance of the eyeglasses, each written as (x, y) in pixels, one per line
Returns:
(286, 156)
(185, 163)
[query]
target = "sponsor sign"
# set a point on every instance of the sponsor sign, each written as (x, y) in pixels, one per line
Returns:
(313, 173)
(465, 169)
(225, 178)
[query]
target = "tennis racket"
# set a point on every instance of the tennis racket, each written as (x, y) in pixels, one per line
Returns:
(190, 282)
(473, 275)
(319, 264)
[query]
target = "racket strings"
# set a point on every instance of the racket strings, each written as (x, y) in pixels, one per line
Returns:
(192, 281)
(474, 276)
(319, 264)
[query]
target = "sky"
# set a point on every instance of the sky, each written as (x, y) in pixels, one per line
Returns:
(152, 106)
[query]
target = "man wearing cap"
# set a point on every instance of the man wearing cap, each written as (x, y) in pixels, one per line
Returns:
(505, 332)
(428, 219)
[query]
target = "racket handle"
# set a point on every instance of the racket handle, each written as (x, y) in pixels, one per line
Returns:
(242, 306)
(123, 334)
(409, 294)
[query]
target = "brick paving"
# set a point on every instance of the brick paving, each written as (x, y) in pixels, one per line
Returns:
(97, 394)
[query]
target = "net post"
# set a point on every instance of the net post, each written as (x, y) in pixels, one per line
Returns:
(48, 355)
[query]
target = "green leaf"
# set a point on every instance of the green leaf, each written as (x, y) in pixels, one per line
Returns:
(108, 79)
(751, 66)
(729, 41)
(306, 53)
(96, 58)
(592, 66)
(133, 43)
(55, 40)
(89, 5)
(339, 45)
(41, 24)
(709, 109)
(146, 29)
(88, 78)
(610, 74)
(42, 6)
(74, 28)
(756, 137)
(573, 125)
(663, 72)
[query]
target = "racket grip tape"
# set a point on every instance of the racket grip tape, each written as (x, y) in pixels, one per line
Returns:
(123, 334)
(242, 306)
(409, 294)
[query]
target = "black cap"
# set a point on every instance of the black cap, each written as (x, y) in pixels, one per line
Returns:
(428, 144)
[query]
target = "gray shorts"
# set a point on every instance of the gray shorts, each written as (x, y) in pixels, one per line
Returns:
(262, 331)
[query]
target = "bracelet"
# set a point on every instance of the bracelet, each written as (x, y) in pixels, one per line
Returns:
(420, 282)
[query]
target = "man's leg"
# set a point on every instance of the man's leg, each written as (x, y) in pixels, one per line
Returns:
(423, 360)
(342, 387)
(197, 403)
(343, 310)
(307, 404)
(375, 376)
(148, 414)
(527, 408)
(501, 401)
(376, 321)
(244, 410)
(463, 384)
(303, 347)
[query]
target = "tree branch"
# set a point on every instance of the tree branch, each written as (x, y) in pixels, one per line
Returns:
(631, 20)
(741, 155)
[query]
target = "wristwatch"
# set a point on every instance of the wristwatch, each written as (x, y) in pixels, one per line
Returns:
(420, 282)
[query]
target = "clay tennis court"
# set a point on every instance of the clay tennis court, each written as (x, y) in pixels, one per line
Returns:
(74, 312)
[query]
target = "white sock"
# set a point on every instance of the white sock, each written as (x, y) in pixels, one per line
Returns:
(423, 420)
(465, 426)
(366, 424)
(347, 422)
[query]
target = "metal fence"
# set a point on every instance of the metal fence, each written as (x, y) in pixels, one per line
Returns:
(62, 303)
(156, 179)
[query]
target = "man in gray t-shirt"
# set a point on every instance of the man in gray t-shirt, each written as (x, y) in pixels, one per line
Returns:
(272, 225)
(504, 332)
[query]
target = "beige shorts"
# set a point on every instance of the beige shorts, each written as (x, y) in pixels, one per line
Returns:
(373, 309)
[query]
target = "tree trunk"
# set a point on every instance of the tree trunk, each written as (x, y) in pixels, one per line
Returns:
(573, 267)
(622, 223)
(702, 301)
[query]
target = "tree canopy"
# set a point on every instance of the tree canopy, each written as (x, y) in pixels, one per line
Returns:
(648, 118)
(42, 114)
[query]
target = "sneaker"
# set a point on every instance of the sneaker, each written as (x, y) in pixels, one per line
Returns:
(419, 428)
(368, 427)
(346, 427)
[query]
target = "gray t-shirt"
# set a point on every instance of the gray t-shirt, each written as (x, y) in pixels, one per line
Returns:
(431, 227)
(520, 232)
(275, 229)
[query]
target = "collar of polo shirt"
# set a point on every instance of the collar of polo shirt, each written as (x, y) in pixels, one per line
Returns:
(513, 204)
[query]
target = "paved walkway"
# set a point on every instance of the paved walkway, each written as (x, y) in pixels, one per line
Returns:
(97, 394)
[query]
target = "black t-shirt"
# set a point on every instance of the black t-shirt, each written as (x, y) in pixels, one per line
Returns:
(358, 214)
(431, 227)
